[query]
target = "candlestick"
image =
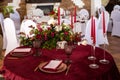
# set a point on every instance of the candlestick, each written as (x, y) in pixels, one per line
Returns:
(94, 32)
(71, 20)
(75, 14)
(58, 15)
(104, 31)
(92, 27)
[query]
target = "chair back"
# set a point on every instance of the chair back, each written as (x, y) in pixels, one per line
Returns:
(16, 18)
(116, 28)
(100, 35)
(38, 12)
(25, 27)
(12, 42)
(88, 30)
(3, 31)
(83, 16)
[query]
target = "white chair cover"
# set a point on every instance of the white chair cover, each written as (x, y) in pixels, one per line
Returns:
(25, 27)
(115, 13)
(110, 26)
(83, 16)
(66, 20)
(100, 10)
(43, 19)
(77, 27)
(88, 31)
(38, 12)
(115, 16)
(16, 18)
(3, 31)
(116, 28)
(12, 42)
(83, 13)
(100, 36)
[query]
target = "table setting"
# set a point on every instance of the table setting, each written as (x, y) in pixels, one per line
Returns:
(54, 52)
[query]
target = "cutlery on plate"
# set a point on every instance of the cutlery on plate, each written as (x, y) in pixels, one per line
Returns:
(13, 58)
(37, 67)
(68, 68)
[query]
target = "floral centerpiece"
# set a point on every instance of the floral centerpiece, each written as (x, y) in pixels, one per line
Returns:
(49, 33)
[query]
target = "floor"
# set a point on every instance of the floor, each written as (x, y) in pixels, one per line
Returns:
(113, 48)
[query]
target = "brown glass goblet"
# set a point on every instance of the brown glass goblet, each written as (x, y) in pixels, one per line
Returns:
(36, 45)
(68, 52)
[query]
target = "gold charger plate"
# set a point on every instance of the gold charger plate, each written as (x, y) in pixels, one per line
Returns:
(20, 54)
(61, 68)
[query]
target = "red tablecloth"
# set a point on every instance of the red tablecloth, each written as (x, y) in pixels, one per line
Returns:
(23, 68)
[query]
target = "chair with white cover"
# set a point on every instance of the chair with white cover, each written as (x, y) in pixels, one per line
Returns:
(115, 15)
(88, 30)
(3, 31)
(116, 28)
(16, 18)
(37, 14)
(101, 38)
(12, 42)
(25, 27)
(83, 16)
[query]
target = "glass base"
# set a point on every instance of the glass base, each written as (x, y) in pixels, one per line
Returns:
(92, 58)
(37, 54)
(104, 61)
(94, 66)
(68, 61)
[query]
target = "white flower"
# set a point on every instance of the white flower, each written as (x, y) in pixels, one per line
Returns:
(58, 28)
(44, 26)
(51, 21)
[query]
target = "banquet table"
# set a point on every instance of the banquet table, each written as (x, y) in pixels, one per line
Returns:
(22, 68)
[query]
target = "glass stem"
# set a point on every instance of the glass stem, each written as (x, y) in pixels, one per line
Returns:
(104, 51)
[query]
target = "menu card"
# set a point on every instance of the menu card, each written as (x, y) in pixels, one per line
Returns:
(22, 50)
(53, 64)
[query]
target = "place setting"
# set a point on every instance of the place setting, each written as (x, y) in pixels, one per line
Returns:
(19, 53)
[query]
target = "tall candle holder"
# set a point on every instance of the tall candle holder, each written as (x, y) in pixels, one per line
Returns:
(94, 65)
(92, 56)
(104, 60)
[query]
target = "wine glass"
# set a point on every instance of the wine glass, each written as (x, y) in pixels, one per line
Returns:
(36, 45)
(104, 60)
(68, 52)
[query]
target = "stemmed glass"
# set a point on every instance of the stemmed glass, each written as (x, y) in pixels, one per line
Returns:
(68, 52)
(104, 60)
(92, 56)
(36, 45)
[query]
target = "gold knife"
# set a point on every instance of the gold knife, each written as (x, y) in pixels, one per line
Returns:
(68, 68)
(37, 67)
(13, 58)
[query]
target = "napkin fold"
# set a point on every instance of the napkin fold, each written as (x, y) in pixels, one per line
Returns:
(52, 65)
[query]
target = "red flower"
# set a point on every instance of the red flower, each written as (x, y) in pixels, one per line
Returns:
(45, 36)
(66, 33)
(38, 36)
(52, 34)
(52, 13)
